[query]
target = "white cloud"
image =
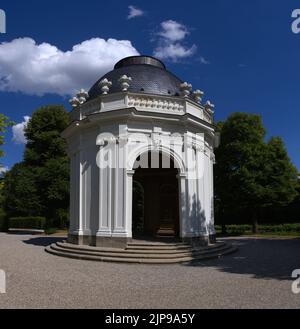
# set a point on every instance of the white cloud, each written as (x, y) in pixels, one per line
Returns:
(18, 131)
(170, 43)
(173, 31)
(3, 170)
(174, 51)
(134, 12)
(37, 69)
(204, 60)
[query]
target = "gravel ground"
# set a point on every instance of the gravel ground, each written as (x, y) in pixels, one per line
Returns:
(257, 276)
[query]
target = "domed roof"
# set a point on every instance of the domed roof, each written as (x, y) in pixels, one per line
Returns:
(149, 75)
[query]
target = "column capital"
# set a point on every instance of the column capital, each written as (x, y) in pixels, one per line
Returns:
(199, 148)
(130, 172)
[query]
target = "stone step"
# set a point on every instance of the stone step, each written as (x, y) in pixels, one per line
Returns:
(129, 256)
(124, 253)
(139, 260)
(132, 250)
(188, 250)
(136, 252)
(158, 244)
(166, 247)
(156, 247)
(153, 252)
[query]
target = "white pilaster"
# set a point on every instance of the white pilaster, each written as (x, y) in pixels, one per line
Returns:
(128, 188)
(104, 229)
(183, 211)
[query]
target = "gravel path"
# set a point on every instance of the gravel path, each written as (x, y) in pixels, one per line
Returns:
(257, 276)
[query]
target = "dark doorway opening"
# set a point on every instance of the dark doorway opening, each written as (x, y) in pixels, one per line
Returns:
(155, 210)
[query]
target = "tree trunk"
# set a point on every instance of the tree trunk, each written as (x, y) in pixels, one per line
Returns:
(255, 223)
(224, 231)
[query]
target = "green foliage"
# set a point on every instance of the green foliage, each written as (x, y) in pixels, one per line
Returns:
(3, 222)
(234, 229)
(281, 177)
(251, 174)
(37, 223)
(4, 123)
(23, 197)
(280, 228)
(39, 186)
(264, 229)
(43, 135)
(50, 230)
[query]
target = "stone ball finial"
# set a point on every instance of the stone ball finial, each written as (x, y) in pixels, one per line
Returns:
(105, 86)
(209, 106)
(198, 94)
(125, 82)
(74, 102)
(186, 89)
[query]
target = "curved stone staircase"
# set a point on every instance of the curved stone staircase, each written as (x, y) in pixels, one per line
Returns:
(142, 252)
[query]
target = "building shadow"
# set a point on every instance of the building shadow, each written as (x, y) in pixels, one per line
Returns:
(259, 258)
(43, 241)
(268, 258)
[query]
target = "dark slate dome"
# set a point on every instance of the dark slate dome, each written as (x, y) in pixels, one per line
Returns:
(149, 75)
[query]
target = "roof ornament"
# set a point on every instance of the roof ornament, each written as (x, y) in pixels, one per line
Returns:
(186, 89)
(209, 106)
(198, 94)
(82, 96)
(105, 86)
(125, 82)
(75, 102)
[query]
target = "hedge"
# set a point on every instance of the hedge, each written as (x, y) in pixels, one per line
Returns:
(37, 223)
(277, 228)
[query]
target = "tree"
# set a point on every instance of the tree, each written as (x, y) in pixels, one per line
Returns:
(251, 174)
(43, 135)
(40, 184)
(281, 177)
(4, 123)
(22, 196)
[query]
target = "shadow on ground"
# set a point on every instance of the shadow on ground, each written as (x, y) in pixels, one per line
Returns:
(259, 258)
(43, 241)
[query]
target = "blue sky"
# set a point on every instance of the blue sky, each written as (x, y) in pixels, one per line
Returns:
(242, 54)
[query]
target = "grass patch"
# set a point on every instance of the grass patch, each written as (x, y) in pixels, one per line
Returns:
(57, 231)
(51, 230)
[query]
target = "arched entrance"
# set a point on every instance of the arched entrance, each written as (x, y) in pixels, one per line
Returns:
(155, 208)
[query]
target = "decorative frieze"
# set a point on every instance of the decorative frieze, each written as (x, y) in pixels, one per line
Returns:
(151, 103)
(155, 104)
